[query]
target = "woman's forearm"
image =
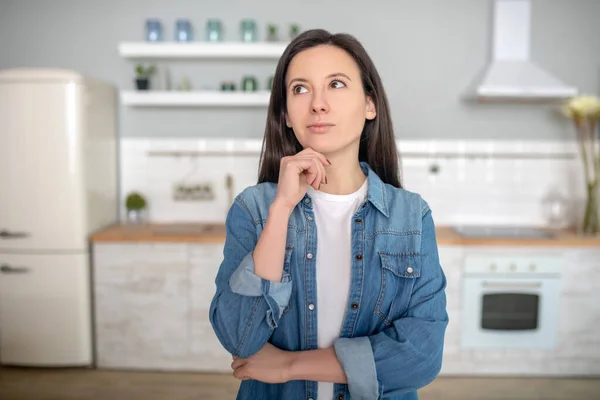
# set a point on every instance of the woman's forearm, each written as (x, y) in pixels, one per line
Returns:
(319, 365)
(269, 252)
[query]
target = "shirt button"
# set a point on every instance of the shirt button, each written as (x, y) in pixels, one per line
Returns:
(340, 397)
(359, 256)
(358, 220)
(311, 307)
(354, 306)
(307, 200)
(309, 218)
(309, 256)
(409, 270)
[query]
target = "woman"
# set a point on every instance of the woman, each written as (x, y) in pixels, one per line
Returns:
(330, 287)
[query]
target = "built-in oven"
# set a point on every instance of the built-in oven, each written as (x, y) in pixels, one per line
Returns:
(510, 302)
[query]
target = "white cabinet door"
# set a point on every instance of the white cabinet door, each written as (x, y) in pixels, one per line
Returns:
(451, 260)
(141, 305)
(41, 206)
(45, 310)
(579, 315)
(206, 351)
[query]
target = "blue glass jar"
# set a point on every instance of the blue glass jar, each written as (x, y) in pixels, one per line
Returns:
(248, 30)
(183, 30)
(153, 30)
(214, 30)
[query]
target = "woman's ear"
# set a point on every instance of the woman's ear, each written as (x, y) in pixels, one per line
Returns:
(287, 121)
(370, 111)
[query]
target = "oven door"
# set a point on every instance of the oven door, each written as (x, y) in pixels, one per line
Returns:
(510, 312)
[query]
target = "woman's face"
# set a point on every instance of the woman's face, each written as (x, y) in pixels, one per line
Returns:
(326, 104)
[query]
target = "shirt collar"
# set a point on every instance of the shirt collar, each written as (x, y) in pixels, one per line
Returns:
(376, 192)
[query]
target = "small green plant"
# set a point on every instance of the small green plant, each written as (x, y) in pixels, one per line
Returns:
(294, 30)
(135, 201)
(272, 32)
(145, 72)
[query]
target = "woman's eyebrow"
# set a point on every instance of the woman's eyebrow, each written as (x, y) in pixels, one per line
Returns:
(328, 76)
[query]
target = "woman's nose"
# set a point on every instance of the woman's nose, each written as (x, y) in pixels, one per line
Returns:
(319, 103)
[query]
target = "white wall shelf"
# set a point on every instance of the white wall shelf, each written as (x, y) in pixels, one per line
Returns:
(195, 98)
(190, 50)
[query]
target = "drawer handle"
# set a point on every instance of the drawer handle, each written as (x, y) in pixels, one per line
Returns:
(4, 234)
(7, 269)
(515, 285)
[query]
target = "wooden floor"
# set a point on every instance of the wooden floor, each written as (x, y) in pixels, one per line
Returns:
(71, 384)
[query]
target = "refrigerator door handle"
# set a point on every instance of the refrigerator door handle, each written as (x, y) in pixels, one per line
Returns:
(4, 234)
(7, 269)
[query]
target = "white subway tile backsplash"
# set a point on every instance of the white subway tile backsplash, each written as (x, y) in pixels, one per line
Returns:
(477, 182)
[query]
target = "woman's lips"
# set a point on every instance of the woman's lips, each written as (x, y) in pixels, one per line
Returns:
(320, 127)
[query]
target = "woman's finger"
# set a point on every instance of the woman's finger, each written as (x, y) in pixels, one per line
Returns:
(238, 363)
(241, 373)
(320, 156)
(309, 167)
(321, 176)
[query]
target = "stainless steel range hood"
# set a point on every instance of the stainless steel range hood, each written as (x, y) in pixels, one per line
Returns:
(511, 74)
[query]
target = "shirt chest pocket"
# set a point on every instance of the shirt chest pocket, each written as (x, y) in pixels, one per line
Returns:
(398, 274)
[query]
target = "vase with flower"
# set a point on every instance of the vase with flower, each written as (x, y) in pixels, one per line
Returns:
(584, 111)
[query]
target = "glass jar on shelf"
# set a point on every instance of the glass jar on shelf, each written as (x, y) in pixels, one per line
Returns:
(183, 30)
(248, 30)
(249, 83)
(214, 30)
(153, 30)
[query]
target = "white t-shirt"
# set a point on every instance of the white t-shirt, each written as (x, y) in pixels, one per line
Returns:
(333, 217)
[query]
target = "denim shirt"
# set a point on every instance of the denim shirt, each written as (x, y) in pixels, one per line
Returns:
(392, 336)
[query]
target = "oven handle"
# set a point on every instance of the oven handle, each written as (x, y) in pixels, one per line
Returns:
(510, 285)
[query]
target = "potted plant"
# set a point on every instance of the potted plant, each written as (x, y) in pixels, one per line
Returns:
(135, 204)
(272, 33)
(294, 31)
(143, 75)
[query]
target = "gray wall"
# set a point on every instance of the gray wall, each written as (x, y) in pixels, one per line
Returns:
(427, 51)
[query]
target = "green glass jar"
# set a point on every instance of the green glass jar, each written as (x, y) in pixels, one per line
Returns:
(214, 30)
(248, 30)
(249, 84)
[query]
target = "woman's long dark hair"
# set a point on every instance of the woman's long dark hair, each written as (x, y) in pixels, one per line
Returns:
(377, 141)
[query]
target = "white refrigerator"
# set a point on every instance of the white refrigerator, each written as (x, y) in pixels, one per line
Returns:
(58, 184)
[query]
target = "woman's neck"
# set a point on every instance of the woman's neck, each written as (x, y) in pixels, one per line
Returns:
(344, 175)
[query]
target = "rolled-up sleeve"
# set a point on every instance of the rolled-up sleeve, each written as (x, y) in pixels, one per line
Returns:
(407, 355)
(244, 282)
(245, 308)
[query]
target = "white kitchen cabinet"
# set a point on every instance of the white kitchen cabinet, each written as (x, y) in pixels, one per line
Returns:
(141, 305)
(152, 302)
(205, 349)
(451, 260)
(579, 314)
(152, 312)
(44, 310)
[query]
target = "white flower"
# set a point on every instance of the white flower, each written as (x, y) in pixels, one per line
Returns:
(582, 106)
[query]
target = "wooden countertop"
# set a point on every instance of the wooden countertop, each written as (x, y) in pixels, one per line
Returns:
(446, 235)
(215, 233)
(151, 232)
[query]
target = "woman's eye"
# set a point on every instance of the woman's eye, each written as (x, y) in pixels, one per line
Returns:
(337, 84)
(298, 89)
